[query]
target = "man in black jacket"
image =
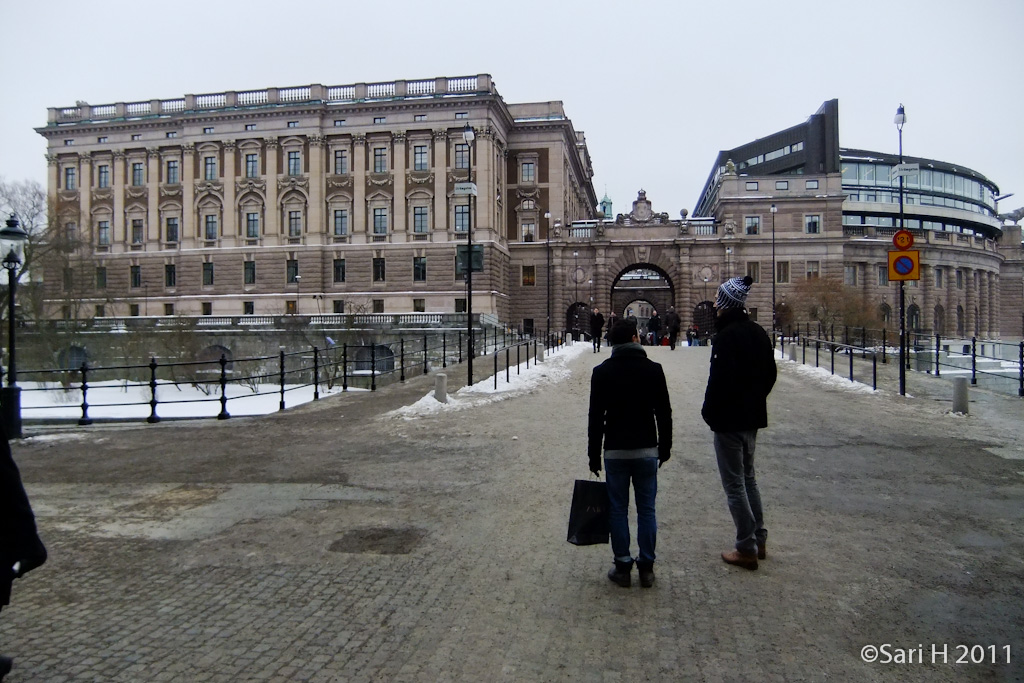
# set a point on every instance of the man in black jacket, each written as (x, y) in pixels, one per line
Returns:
(735, 406)
(631, 414)
(596, 328)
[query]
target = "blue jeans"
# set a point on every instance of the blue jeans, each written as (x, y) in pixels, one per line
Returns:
(644, 474)
(735, 453)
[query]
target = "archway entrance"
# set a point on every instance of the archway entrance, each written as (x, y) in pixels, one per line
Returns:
(704, 319)
(577, 320)
(644, 283)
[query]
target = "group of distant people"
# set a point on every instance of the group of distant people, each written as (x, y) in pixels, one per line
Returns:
(630, 431)
(659, 333)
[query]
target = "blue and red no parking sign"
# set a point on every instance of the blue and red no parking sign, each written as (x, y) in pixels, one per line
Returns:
(904, 264)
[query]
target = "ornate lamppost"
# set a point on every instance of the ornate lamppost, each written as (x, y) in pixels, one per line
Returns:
(12, 237)
(899, 120)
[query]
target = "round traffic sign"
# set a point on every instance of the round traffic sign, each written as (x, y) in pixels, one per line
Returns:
(903, 239)
(903, 265)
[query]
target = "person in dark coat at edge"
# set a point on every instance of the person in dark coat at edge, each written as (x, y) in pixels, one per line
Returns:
(742, 375)
(654, 327)
(672, 324)
(21, 551)
(635, 429)
(596, 328)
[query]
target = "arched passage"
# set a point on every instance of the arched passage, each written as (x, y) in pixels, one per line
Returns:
(644, 282)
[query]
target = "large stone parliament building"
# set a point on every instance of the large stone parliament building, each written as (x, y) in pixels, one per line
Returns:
(320, 200)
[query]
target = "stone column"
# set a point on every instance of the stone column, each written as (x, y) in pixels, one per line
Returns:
(400, 161)
(117, 219)
(994, 294)
(983, 304)
(273, 212)
(359, 231)
(483, 165)
(189, 220)
(85, 202)
(231, 226)
(440, 219)
(152, 233)
(927, 302)
(52, 178)
(316, 228)
(970, 301)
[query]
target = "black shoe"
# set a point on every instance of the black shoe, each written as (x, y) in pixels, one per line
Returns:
(646, 574)
(620, 573)
(5, 666)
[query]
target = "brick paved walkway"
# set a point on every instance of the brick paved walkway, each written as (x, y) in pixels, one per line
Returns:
(330, 544)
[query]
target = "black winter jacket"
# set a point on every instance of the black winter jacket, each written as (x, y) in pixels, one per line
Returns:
(629, 405)
(742, 375)
(19, 541)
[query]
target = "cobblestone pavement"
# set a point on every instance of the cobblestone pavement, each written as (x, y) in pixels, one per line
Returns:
(330, 543)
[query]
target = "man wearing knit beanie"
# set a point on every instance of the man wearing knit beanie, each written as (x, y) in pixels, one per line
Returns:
(735, 407)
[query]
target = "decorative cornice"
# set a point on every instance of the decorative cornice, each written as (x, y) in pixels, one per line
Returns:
(189, 148)
(229, 146)
(359, 139)
(85, 157)
(102, 194)
(440, 135)
(420, 177)
(170, 190)
(209, 187)
(136, 192)
(339, 181)
(119, 155)
(52, 160)
(316, 141)
(271, 143)
(293, 182)
(379, 179)
(67, 195)
(527, 194)
(399, 136)
(258, 185)
(460, 177)
(153, 152)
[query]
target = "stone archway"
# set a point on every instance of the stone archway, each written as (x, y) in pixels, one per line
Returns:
(704, 319)
(577, 320)
(644, 282)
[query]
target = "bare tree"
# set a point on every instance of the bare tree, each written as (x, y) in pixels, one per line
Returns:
(828, 301)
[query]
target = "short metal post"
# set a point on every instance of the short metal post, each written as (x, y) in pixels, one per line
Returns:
(401, 357)
(373, 367)
(460, 346)
(223, 388)
(344, 367)
(804, 344)
(495, 370)
(883, 346)
(85, 419)
(938, 343)
(281, 404)
(974, 360)
(518, 346)
(832, 352)
(874, 371)
(316, 374)
(425, 354)
(507, 352)
(444, 350)
(1020, 369)
(863, 342)
(817, 352)
(152, 392)
(850, 351)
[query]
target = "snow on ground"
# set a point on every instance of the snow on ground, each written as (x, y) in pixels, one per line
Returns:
(554, 369)
(823, 376)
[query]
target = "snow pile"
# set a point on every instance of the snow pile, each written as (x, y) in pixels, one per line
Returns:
(823, 376)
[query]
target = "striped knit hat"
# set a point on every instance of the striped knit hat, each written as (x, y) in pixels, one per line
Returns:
(733, 293)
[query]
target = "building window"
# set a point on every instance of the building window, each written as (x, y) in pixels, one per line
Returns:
(460, 305)
(781, 184)
(462, 218)
(378, 270)
(528, 205)
(850, 276)
(419, 305)
(170, 275)
(419, 268)
(136, 137)
(380, 119)
(754, 270)
(938, 278)
(380, 221)
(528, 173)
(103, 233)
(339, 305)
(138, 174)
(68, 281)
(70, 183)
(339, 270)
(133, 310)
(103, 176)
(752, 225)
(811, 184)
(210, 227)
(101, 310)
(420, 219)
(69, 232)
(462, 155)
(813, 269)
(293, 124)
(378, 305)
(69, 143)
(173, 175)
(209, 168)
(420, 162)
(101, 140)
(249, 272)
(294, 163)
(101, 277)
(168, 309)
(207, 274)
(812, 224)
(135, 277)
(137, 231)
(959, 279)
(250, 126)
(207, 308)
(248, 307)
(341, 222)
(339, 122)
(252, 225)
(294, 223)
(461, 115)
(340, 162)
(419, 117)
(751, 185)
(252, 165)
(380, 160)
(208, 130)
(782, 272)
(171, 229)
(529, 276)
(172, 134)
(528, 232)
(292, 271)
(883, 276)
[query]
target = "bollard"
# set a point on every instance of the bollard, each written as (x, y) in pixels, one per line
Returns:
(792, 351)
(960, 395)
(441, 387)
(540, 353)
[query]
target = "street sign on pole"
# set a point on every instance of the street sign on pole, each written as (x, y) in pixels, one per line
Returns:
(903, 240)
(904, 265)
(464, 189)
(900, 170)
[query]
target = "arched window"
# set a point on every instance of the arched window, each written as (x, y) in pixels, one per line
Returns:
(914, 317)
(940, 320)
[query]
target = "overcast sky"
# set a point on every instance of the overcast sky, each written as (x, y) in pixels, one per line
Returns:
(658, 87)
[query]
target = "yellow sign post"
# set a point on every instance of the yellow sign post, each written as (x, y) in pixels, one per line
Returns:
(905, 265)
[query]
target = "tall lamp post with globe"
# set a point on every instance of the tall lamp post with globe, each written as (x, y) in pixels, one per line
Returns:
(899, 120)
(12, 239)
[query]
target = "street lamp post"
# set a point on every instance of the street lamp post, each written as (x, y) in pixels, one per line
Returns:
(547, 279)
(13, 238)
(775, 268)
(468, 136)
(575, 296)
(899, 120)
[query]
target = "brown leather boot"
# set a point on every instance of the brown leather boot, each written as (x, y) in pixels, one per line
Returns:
(740, 560)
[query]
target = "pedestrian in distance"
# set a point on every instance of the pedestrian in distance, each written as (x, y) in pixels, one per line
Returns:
(612, 320)
(742, 375)
(596, 326)
(21, 551)
(634, 429)
(654, 327)
(672, 324)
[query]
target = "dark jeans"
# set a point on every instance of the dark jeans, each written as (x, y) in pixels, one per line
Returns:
(672, 336)
(643, 472)
(596, 338)
(735, 453)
